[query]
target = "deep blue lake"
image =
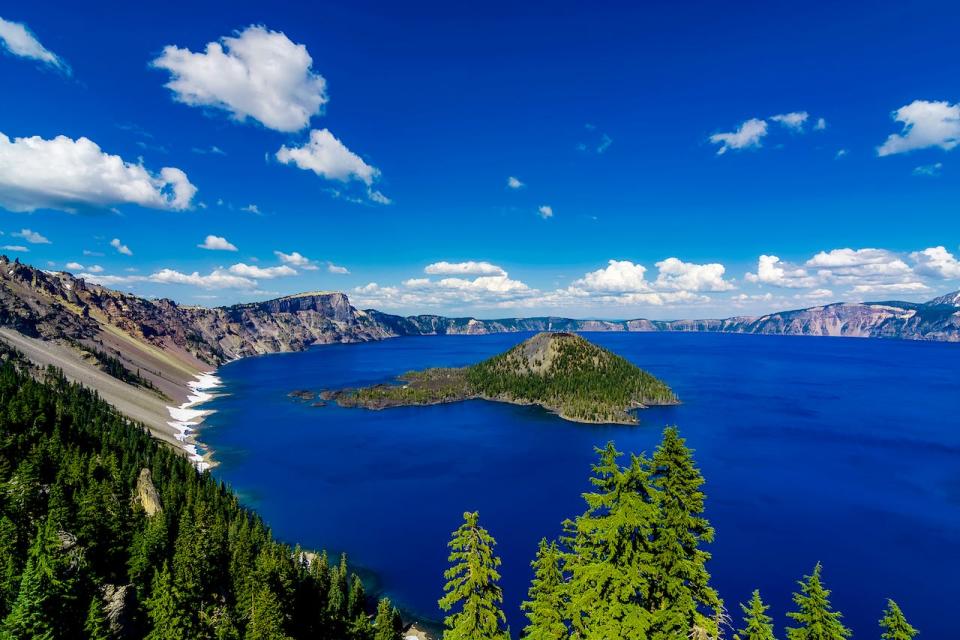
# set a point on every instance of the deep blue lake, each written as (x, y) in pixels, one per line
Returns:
(843, 451)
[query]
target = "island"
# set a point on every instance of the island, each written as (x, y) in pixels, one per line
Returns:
(561, 372)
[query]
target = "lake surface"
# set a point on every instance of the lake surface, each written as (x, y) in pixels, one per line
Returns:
(836, 450)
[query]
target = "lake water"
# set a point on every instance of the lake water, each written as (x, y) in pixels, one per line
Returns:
(836, 450)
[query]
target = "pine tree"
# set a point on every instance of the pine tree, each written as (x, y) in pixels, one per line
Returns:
(816, 618)
(681, 582)
(608, 556)
(757, 625)
(168, 619)
(9, 567)
(96, 626)
(267, 618)
(31, 614)
(547, 603)
(472, 591)
(895, 625)
(356, 599)
(388, 624)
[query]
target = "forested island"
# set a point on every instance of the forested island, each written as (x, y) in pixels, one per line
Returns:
(561, 372)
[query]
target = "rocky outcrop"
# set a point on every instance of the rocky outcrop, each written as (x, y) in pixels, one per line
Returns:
(119, 609)
(146, 494)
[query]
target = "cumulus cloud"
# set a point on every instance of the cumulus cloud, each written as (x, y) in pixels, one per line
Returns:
(749, 134)
(925, 124)
(30, 236)
(76, 266)
(217, 243)
(336, 269)
(469, 267)
(15, 247)
(17, 39)
(514, 183)
(296, 259)
(771, 270)
(686, 276)
(621, 276)
(261, 273)
(545, 211)
(897, 287)
(936, 262)
(793, 120)
(216, 279)
(861, 267)
(68, 174)
(120, 247)
(257, 73)
(820, 125)
(329, 158)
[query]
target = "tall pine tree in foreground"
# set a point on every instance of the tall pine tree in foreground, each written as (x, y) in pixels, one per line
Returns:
(472, 591)
(387, 625)
(608, 559)
(815, 616)
(682, 599)
(757, 625)
(895, 625)
(546, 606)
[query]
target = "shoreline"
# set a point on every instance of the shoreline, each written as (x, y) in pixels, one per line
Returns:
(186, 419)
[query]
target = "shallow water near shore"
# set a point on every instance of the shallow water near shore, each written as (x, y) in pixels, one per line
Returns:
(836, 450)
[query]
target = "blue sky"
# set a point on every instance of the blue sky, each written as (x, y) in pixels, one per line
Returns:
(672, 160)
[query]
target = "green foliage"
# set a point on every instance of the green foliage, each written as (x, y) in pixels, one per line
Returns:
(815, 616)
(387, 625)
(547, 596)
(203, 567)
(472, 591)
(757, 625)
(895, 625)
(96, 626)
(681, 584)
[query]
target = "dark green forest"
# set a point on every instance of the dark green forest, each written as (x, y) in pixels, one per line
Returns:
(81, 558)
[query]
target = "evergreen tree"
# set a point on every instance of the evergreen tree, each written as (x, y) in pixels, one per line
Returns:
(356, 598)
(815, 616)
(547, 602)
(32, 615)
(472, 591)
(757, 625)
(168, 619)
(895, 625)
(266, 617)
(388, 624)
(608, 559)
(96, 626)
(681, 588)
(9, 567)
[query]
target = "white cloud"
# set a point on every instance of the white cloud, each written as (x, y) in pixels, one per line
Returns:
(841, 153)
(120, 247)
(621, 276)
(326, 156)
(925, 124)
(820, 126)
(900, 287)
(216, 279)
(15, 247)
(76, 266)
(252, 271)
(771, 270)
(685, 276)
(545, 211)
(930, 170)
(514, 183)
(30, 236)
(251, 208)
(257, 74)
(87, 252)
(860, 266)
(749, 134)
(217, 243)
(470, 267)
(793, 120)
(296, 259)
(332, 268)
(68, 174)
(18, 40)
(936, 262)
